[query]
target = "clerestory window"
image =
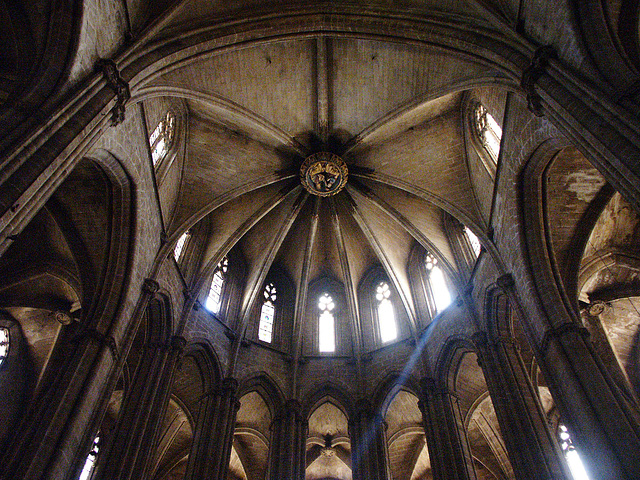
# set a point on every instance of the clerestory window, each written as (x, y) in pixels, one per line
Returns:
(570, 453)
(4, 344)
(386, 317)
(488, 131)
(214, 299)
(474, 242)
(326, 324)
(162, 137)
(267, 313)
(90, 462)
(437, 283)
(177, 251)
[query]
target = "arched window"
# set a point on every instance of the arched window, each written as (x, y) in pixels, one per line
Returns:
(488, 131)
(177, 251)
(326, 324)
(476, 246)
(162, 137)
(386, 317)
(439, 290)
(267, 313)
(214, 299)
(573, 459)
(90, 462)
(4, 344)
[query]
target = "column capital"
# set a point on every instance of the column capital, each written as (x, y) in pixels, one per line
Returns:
(560, 331)
(532, 74)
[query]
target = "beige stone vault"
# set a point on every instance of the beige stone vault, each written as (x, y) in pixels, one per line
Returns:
(334, 240)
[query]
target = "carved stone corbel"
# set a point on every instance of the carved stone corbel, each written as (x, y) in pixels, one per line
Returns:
(532, 74)
(118, 85)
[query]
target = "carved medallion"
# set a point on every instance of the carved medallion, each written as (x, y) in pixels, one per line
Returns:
(323, 174)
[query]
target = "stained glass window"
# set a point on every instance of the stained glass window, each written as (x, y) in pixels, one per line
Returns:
(267, 313)
(177, 251)
(488, 131)
(386, 317)
(214, 300)
(161, 138)
(326, 324)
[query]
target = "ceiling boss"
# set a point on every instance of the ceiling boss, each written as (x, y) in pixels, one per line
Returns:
(323, 174)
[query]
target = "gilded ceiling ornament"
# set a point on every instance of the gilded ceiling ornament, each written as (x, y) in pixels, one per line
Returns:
(323, 174)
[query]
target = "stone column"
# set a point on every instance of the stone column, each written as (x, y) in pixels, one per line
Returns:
(533, 451)
(133, 445)
(288, 442)
(604, 425)
(446, 436)
(368, 444)
(213, 435)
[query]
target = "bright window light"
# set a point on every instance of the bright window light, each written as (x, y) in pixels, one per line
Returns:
(439, 290)
(571, 454)
(90, 462)
(180, 245)
(214, 299)
(386, 317)
(473, 240)
(4, 344)
(267, 313)
(326, 324)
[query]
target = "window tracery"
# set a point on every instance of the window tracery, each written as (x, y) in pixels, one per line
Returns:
(90, 462)
(386, 317)
(488, 131)
(4, 344)
(437, 283)
(326, 324)
(571, 454)
(162, 137)
(474, 242)
(177, 251)
(267, 313)
(214, 299)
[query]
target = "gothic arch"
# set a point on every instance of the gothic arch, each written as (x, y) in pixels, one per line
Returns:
(328, 392)
(264, 385)
(389, 387)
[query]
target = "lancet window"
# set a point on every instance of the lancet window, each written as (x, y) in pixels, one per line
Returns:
(214, 299)
(386, 317)
(437, 283)
(177, 251)
(474, 242)
(4, 344)
(267, 313)
(488, 131)
(326, 324)
(162, 137)
(90, 462)
(570, 453)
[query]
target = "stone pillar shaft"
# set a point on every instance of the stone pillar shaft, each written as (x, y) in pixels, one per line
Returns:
(368, 444)
(287, 452)
(533, 451)
(446, 437)
(131, 450)
(603, 423)
(213, 435)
